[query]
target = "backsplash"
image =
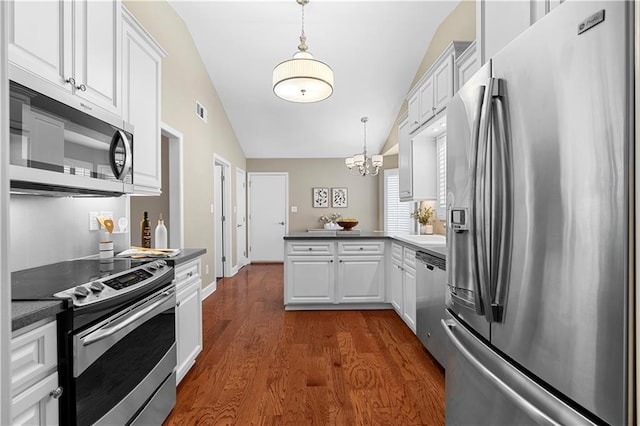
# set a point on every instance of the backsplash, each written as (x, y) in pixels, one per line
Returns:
(47, 230)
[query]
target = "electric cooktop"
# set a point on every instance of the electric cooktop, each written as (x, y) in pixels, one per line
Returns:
(41, 283)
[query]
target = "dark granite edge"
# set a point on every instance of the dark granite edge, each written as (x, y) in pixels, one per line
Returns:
(24, 313)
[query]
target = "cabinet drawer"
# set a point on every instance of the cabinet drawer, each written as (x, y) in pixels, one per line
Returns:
(33, 355)
(409, 258)
(187, 271)
(361, 247)
(396, 253)
(312, 248)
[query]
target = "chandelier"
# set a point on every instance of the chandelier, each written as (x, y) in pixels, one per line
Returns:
(361, 163)
(303, 79)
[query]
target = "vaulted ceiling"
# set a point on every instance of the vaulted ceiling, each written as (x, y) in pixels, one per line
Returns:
(374, 48)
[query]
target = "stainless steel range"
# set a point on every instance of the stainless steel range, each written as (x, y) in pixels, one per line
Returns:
(117, 345)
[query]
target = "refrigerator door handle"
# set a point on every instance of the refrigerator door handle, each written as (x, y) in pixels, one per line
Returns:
(501, 215)
(480, 233)
(518, 388)
(475, 137)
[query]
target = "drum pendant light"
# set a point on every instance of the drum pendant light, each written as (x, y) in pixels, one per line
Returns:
(302, 78)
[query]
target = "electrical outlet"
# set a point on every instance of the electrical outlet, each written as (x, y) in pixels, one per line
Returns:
(94, 225)
(294, 209)
(206, 269)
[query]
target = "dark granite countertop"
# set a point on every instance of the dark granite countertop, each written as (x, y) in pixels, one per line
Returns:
(24, 313)
(440, 251)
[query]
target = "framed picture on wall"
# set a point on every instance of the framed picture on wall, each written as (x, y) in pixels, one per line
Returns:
(338, 197)
(320, 197)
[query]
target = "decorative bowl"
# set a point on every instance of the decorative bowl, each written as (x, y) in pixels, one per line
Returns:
(347, 224)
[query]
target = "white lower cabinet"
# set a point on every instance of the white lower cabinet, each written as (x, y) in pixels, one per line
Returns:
(188, 316)
(309, 279)
(34, 376)
(361, 279)
(334, 272)
(402, 282)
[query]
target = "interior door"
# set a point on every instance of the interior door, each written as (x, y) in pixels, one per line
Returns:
(268, 218)
(219, 218)
(241, 218)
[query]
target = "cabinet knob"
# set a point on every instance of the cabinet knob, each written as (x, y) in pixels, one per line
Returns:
(310, 249)
(361, 248)
(82, 87)
(178, 304)
(56, 393)
(331, 261)
(415, 122)
(190, 274)
(340, 261)
(71, 81)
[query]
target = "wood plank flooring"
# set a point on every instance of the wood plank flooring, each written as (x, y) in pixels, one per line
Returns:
(261, 365)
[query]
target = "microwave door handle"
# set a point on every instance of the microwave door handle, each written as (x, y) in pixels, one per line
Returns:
(126, 167)
(481, 233)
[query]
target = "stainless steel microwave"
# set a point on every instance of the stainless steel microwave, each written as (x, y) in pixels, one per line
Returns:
(58, 150)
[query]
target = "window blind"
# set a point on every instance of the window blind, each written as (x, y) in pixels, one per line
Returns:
(441, 206)
(397, 214)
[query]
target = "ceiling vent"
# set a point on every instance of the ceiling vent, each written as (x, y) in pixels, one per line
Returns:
(201, 111)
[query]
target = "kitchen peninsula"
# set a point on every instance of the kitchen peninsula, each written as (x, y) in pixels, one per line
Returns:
(347, 269)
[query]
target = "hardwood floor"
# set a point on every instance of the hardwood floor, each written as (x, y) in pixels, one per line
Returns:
(264, 366)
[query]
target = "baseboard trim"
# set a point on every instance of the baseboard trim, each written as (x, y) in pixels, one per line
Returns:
(338, 307)
(209, 290)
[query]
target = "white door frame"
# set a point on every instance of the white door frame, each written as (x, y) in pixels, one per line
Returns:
(226, 212)
(286, 198)
(241, 258)
(176, 184)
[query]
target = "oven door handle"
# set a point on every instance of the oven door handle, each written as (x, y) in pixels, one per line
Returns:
(105, 332)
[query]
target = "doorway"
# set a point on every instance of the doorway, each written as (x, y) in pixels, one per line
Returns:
(241, 220)
(268, 215)
(221, 206)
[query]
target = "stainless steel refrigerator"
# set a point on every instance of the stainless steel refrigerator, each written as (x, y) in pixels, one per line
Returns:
(539, 198)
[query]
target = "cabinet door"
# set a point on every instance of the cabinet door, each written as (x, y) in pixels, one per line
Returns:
(442, 84)
(36, 405)
(426, 93)
(188, 327)
(409, 296)
(405, 161)
(361, 279)
(97, 62)
(413, 104)
(467, 65)
(141, 80)
(309, 279)
(395, 291)
(40, 39)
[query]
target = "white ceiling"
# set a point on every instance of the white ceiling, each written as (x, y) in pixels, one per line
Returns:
(374, 48)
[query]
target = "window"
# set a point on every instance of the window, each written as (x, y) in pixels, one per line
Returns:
(397, 214)
(441, 205)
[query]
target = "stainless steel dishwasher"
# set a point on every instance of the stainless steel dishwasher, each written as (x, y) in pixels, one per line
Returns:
(431, 280)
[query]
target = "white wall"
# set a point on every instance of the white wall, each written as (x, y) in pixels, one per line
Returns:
(46, 229)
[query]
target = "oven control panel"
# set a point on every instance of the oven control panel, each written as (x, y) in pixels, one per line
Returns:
(104, 288)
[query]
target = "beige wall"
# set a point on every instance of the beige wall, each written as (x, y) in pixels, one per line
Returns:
(185, 80)
(460, 25)
(305, 174)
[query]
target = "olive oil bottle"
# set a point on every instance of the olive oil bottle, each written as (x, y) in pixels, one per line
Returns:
(145, 231)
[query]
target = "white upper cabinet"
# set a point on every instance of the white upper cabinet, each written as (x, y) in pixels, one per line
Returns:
(142, 58)
(467, 64)
(97, 63)
(430, 96)
(69, 50)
